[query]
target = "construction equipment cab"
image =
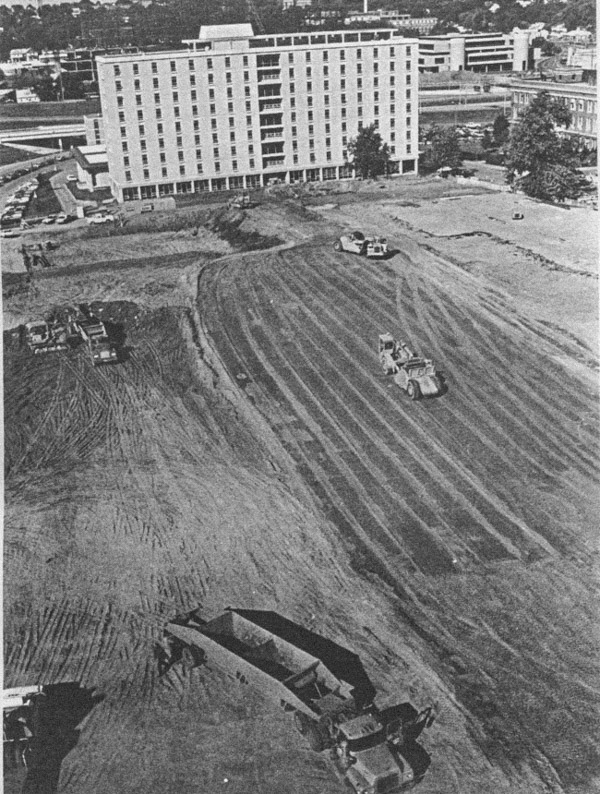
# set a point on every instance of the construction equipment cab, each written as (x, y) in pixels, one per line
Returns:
(354, 243)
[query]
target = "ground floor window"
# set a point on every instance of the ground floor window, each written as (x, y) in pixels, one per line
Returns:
(312, 175)
(236, 182)
(408, 166)
(130, 194)
(201, 185)
(184, 187)
(253, 180)
(148, 191)
(329, 173)
(346, 172)
(219, 184)
(166, 190)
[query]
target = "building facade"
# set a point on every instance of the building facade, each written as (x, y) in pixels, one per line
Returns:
(401, 21)
(476, 52)
(581, 99)
(236, 110)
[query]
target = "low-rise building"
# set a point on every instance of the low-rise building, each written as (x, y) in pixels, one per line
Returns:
(579, 97)
(235, 110)
(92, 166)
(400, 21)
(476, 52)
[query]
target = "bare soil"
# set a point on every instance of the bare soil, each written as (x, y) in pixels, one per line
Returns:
(248, 451)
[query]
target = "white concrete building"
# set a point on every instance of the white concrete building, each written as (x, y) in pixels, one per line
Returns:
(476, 52)
(236, 110)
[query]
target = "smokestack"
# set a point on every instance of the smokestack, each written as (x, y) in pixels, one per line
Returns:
(366, 6)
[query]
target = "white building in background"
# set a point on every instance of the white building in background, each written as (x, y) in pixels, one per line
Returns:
(476, 52)
(236, 110)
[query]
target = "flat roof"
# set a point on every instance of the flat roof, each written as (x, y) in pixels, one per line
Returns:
(220, 32)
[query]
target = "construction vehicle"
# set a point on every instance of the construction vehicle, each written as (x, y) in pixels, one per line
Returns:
(93, 333)
(44, 337)
(20, 709)
(357, 243)
(242, 202)
(332, 710)
(417, 376)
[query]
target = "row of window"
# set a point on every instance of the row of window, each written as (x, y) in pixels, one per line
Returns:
(391, 52)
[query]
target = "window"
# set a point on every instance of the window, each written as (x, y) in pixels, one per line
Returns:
(211, 94)
(232, 136)
(245, 60)
(343, 69)
(194, 110)
(408, 79)
(376, 82)
(392, 136)
(358, 54)
(247, 91)
(230, 93)
(344, 140)
(375, 96)
(392, 95)
(292, 88)
(181, 170)
(308, 73)
(392, 123)
(307, 56)
(144, 159)
(312, 157)
(343, 85)
(163, 157)
(209, 63)
(250, 148)
(376, 110)
(176, 112)
(121, 118)
(191, 65)
(231, 121)
(309, 101)
(310, 115)
(375, 68)
(252, 163)
(213, 124)
(246, 76)
(359, 111)
(326, 85)
(196, 125)
(125, 146)
(126, 161)
(155, 82)
(143, 145)
(295, 146)
(359, 82)
(408, 66)
(215, 138)
(215, 152)
(157, 99)
(408, 108)
(359, 68)
(154, 68)
(197, 140)
(138, 99)
(248, 121)
(228, 77)
(392, 80)
(248, 107)
(325, 56)
(146, 173)
(175, 97)
(311, 144)
(342, 55)
(177, 126)
(327, 113)
(140, 115)
(164, 173)
(292, 102)
(194, 96)
(326, 98)
(343, 113)
(328, 156)
(161, 143)
(141, 130)
(344, 126)
(128, 176)
(181, 156)
(326, 71)
(118, 85)
(173, 66)
(359, 97)
(375, 52)
(123, 132)
(327, 143)
(211, 79)
(392, 66)
(392, 109)
(291, 74)
(199, 167)
(295, 159)
(327, 129)
(309, 87)
(174, 82)
(179, 141)
(136, 85)
(294, 132)
(228, 63)
(117, 71)
(311, 129)
(392, 52)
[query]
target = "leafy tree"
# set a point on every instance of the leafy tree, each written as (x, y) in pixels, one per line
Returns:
(487, 141)
(369, 153)
(443, 150)
(538, 161)
(501, 129)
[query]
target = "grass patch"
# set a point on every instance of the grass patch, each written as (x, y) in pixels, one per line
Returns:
(45, 201)
(8, 155)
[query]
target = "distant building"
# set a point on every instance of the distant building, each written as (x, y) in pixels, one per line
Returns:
(579, 97)
(296, 4)
(26, 95)
(476, 52)
(237, 110)
(400, 21)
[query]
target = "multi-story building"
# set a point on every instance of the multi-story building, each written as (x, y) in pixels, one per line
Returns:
(236, 110)
(581, 99)
(402, 21)
(476, 52)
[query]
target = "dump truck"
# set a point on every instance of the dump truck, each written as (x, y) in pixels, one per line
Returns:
(44, 337)
(93, 333)
(417, 376)
(289, 666)
(20, 723)
(357, 243)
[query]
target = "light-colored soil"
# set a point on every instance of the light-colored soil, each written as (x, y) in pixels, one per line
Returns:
(248, 451)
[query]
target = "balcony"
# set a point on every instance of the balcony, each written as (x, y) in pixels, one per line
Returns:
(269, 77)
(273, 162)
(274, 120)
(273, 134)
(270, 106)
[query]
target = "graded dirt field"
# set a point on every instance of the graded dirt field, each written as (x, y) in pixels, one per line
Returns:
(248, 451)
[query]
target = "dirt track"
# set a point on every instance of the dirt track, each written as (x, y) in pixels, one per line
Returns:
(250, 452)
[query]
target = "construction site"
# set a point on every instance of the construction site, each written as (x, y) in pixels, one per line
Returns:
(252, 438)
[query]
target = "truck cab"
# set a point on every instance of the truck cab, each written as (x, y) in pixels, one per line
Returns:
(370, 759)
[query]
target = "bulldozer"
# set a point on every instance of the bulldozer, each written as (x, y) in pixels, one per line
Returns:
(417, 376)
(357, 243)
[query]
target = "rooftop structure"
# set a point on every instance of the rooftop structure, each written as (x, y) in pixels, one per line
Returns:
(241, 111)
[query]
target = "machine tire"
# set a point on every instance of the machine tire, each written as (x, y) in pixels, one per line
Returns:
(315, 737)
(300, 722)
(191, 657)
(337, 246)
(413, 390)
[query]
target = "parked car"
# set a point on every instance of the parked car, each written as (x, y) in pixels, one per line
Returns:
(101, 219)
(49, 219)
(72, 178)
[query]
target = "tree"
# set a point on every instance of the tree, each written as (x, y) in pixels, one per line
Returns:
(538, 161)
(369, 153)
(443, 150)
(501, 129)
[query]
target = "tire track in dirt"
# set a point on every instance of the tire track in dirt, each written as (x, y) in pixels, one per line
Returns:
(417, 459)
